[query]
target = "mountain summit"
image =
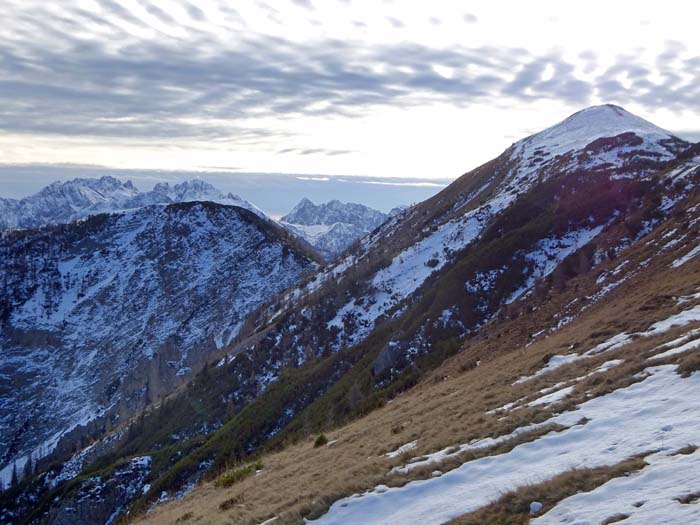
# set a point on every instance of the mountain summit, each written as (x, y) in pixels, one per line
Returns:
(583, 128)
(593, 122)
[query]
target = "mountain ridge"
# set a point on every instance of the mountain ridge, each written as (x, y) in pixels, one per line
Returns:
(62, 202)
(136, 289)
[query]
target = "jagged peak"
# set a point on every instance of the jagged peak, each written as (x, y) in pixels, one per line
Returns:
(306, 212)
(192, 183)
(105, 187)
(303, 204)
(101, 182)
(305, 201)
(64, 201)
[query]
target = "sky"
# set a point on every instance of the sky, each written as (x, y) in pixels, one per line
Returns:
(374, 88)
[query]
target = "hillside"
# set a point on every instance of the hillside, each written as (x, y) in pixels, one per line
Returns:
(102, 317)
(561, 395)
(489, 281)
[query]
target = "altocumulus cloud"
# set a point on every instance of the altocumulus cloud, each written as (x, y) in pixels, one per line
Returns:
(117, 71)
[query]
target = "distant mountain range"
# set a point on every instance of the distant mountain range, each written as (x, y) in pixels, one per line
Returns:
(62, 202)
(333, 226)
(330, 228)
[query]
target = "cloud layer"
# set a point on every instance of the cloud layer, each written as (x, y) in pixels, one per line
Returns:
(158, 70)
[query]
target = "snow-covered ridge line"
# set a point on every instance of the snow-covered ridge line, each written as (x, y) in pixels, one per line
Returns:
(63, 202)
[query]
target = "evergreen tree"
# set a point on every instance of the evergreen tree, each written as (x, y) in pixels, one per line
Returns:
(14, 480)
(28, 468)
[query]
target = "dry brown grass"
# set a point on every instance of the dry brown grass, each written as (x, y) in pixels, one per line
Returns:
(513, 508)
(685, 451)
(236, 475)
(689, 499)
(450, 406)
(689, 363)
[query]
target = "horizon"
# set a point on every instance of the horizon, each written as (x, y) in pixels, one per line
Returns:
(24, 180)
(274, 193)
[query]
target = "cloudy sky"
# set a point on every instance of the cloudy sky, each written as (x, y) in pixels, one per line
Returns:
(378, 88)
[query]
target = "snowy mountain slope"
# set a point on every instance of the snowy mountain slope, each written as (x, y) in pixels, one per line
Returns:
(333, 226)
(656, 414)
(527, 399)
(646, 408)
(430, 236)
(101, 317)
(63, 202)
(434, 275)
(426, 282)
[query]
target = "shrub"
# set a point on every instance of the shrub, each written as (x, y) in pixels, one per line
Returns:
(234, 476)
(320, 441)
(231, 502)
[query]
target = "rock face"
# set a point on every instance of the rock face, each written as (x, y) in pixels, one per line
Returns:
(98, 318)
(99, 499)
(63, 202)
(333, 226)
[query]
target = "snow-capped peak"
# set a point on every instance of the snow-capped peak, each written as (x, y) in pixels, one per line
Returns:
(188, 191)
(194, 190)
(333, 226)
(303, 204)
(308, 213)
(62, 202)
(583, 127)
(103, 189)
(599, 137)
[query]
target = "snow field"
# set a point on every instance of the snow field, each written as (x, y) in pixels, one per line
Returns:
(657, 415)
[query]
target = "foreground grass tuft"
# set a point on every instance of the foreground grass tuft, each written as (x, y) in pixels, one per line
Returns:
(234, 476)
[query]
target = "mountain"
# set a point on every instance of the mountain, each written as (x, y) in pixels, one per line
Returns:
(101, 317)
(577, 405)
(333, 226)
(63, 202)
(397, 210)
(568, 260)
